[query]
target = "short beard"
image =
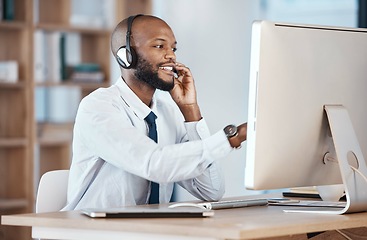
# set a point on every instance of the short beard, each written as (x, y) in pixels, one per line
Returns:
(145, 73)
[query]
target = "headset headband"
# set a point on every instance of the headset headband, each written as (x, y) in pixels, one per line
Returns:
(128, 32)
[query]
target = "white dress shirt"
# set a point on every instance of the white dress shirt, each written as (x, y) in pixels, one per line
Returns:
(114, 160)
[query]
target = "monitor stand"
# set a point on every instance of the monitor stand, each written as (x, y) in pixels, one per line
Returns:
(351, 163)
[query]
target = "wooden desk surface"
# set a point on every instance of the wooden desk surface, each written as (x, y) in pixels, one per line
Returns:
(237, 223)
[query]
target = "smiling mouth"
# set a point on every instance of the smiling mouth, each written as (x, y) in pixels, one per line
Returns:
(170, 70)
(167, 68)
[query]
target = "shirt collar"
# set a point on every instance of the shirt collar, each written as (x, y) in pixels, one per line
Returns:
(133, 101)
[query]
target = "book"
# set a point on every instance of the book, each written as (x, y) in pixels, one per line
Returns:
(90, 77)
(39, 57)
(62, 104)
(99, 14)
(49, 56)
(53, 57)
(9, 71)
(8, 10)
(73, 49)
(87, 67)
(87, 72)
(1, 10)
(63, 68)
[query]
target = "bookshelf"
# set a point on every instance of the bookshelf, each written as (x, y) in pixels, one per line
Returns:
(16, 111)
(28, 147)
(53, 141)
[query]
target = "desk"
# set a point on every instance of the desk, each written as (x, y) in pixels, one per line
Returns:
(239, 223)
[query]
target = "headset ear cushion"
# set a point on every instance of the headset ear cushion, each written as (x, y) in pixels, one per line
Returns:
(122, 57)
(127, 59)
(132, 57)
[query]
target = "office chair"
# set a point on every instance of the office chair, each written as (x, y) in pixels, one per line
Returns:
(52, 191)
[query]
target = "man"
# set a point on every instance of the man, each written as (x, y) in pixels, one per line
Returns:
(116, 158)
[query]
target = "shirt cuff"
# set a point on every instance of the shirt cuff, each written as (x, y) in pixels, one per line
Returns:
(197, 130)
(218, 145)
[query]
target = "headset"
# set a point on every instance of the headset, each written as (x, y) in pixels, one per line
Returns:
(126, 55)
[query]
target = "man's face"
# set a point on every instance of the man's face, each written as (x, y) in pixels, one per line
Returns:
(155, 46)
(147, 73)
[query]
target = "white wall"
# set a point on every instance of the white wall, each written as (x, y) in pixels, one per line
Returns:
(214, 41)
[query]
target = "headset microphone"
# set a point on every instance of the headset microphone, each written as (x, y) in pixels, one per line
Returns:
(126, 56)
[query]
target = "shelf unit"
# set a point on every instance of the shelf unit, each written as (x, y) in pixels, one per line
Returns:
(54, 140)
(23, 141)
(53, 148)
(16, 111)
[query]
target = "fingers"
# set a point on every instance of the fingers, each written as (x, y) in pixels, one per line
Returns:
(180, 65)
(182, 70)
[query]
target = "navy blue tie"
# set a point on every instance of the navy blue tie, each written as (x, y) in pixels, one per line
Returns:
(150, 119)
(154, 192)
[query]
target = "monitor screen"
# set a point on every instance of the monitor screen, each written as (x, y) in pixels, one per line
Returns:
(296, 70)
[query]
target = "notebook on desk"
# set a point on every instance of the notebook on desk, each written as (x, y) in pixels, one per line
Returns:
(147, 211)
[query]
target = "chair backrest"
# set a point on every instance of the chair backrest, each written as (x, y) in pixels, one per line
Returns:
(52, 191)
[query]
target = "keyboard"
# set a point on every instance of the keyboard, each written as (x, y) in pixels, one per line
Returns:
(234, 203)
(225, 204)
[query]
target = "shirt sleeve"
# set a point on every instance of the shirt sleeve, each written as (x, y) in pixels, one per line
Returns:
(209, 185)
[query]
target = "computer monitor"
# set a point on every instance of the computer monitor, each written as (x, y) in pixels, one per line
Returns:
(304, 79)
